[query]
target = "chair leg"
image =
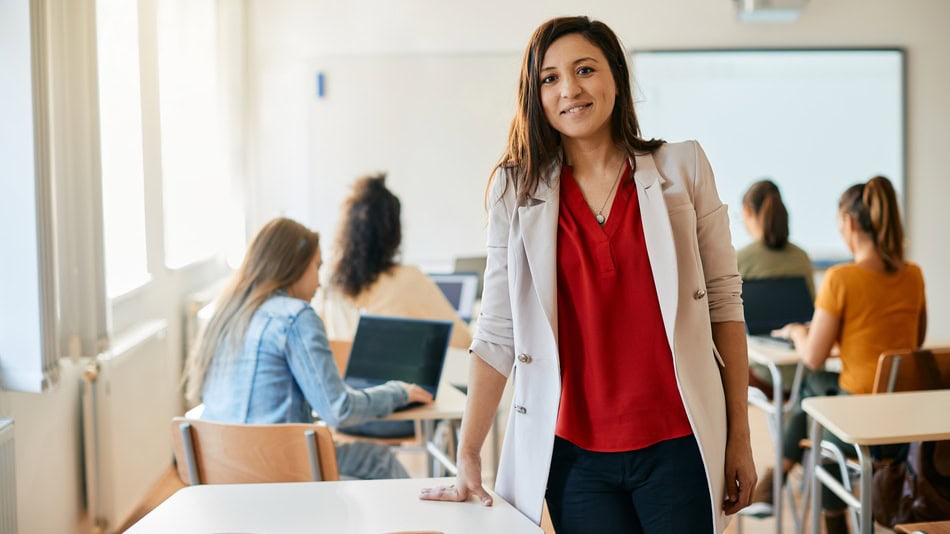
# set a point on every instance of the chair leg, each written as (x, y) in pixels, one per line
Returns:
(311, 437)
(189, 446)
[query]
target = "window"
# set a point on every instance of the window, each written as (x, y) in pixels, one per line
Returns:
(200, 209)
(120, 131)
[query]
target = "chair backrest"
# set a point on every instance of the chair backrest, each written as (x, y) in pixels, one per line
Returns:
(221, 453)
(341, 353)
(912, 370)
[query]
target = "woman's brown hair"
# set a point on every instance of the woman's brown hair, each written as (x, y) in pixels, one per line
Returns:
(369, 237)
(873, 206)
(278, 256)
(765, 201)
(532, 143)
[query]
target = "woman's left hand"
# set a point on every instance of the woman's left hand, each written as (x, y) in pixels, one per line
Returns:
(740, 475)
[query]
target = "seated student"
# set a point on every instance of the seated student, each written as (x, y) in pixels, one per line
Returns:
(263, 357)
(367, 279)
(868, 306)
(771, 255)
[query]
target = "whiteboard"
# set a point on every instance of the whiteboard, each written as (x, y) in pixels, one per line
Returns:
(814, 121)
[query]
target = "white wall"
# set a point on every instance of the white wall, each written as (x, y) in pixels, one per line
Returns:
(288, 38)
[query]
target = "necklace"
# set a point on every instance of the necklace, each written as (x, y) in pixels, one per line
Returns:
(600, 213)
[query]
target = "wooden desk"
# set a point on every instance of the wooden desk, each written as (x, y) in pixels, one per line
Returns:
(865, 420)
(358, 506)
(939, 527)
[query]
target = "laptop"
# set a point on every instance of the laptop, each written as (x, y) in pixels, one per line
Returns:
(771, 303)
(398, 348)
(473, 264)
(461, 290)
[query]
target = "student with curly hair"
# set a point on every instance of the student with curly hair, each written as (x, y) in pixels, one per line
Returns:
(367, 278)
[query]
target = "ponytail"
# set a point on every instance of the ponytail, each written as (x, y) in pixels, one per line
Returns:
(765, 201)
(873, 206)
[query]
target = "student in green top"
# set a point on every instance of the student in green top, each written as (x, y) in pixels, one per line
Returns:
(771, 255)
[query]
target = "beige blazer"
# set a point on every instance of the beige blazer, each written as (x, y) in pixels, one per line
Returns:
(694, 267)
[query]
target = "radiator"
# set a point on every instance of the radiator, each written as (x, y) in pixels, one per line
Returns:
(7, 477)
(128, 401)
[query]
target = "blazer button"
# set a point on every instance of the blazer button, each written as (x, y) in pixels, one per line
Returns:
(521, 410)
(524, 358)
(699, 294)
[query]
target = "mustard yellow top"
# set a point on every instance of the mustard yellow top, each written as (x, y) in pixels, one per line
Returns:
(878, 312)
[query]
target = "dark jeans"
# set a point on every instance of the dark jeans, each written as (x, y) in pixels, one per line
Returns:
(382, 429)
(822, 384)
(659, 489)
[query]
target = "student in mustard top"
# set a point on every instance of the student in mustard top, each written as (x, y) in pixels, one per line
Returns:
(264, 356)
(367, 279)
(612, 299)
(771, 255)
(874, 304)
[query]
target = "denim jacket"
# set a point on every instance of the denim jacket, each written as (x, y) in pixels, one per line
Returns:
(286, 371)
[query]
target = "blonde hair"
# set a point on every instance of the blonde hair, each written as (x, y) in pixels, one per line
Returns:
(278, 256)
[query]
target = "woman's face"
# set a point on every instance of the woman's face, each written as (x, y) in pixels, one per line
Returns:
(577, 88)
(306, 287)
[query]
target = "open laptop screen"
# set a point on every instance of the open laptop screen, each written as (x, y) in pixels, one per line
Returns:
(772, 303)
(397, 348)
(460, 289)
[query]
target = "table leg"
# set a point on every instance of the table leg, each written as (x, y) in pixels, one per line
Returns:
(777, 416)
(867, 477)
(815, 452)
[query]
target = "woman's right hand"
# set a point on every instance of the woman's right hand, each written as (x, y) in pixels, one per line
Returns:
(468, 482)
(416, 394)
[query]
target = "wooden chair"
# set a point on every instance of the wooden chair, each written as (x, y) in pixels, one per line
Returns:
(912, 370)
(341, 353)
(220, 453)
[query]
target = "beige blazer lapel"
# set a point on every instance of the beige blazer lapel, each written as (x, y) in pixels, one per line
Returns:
(658, 235)
(538, 217)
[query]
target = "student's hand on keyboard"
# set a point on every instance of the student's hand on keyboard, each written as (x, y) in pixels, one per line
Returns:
(416, 394)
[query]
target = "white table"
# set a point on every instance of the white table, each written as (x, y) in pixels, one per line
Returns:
(865, 420)
(773, 356)
(359, 506)
(449, 405)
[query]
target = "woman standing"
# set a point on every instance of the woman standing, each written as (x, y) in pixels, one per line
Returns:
(264, 356)
(611, 294)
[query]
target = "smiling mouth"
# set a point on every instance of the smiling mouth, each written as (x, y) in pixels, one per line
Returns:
(575, 109)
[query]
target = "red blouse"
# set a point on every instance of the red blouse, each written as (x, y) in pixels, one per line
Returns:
(618, 386)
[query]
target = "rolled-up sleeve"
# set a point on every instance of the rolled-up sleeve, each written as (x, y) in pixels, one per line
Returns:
(723, 283)
(494, 337)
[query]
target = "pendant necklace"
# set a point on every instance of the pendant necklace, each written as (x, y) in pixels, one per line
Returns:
(600, 213)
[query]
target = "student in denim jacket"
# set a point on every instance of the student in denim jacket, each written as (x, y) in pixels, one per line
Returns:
(264, 357)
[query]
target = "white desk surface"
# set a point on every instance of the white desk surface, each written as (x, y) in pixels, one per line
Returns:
(885, 418)
(764, 353)
(449, 404)
(358, 506)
